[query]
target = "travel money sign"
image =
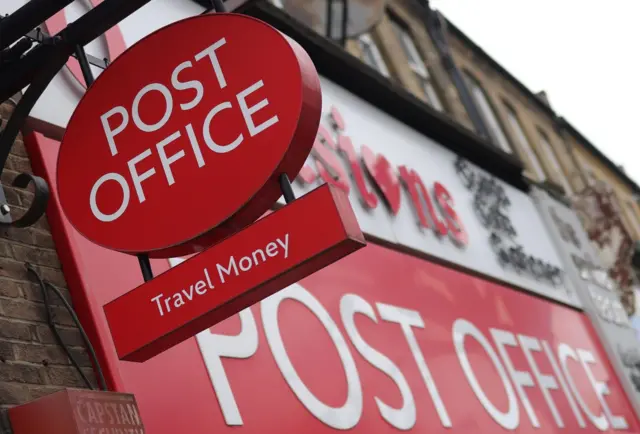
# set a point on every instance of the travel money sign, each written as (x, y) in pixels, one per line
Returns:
(179, 148)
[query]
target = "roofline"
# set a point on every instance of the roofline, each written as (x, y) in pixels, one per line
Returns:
(337, 65)
(561, 121)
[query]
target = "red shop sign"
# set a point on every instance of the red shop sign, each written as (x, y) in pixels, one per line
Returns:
(180, 142)
(269, 255)
(382, 342)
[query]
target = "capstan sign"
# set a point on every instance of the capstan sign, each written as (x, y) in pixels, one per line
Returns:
(410, 191)
(228, 106)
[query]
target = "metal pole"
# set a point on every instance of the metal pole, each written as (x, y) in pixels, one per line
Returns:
(287, 190)
(84, 65)
(145, 267)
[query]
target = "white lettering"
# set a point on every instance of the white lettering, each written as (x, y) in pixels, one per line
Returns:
(108, 132)
(563, 384)
(565, 352)
(248, 111)
(166, 303)
(545, 382)
(403, 418)
(137, 178)
(247, 263)
(272, 250)
(211, 53)
(194, 145)
(214, 347)
(157, 300)
(178, 300)
(284, 245)
(232, 267)
(255, 255)
(521, 379)
(509, 419)
(407, 319)
(344, 417)
(200, 285)
(206, 131)
(193, 84)
(168, 99)
(166, 162)
(126, 195)
(601, 389)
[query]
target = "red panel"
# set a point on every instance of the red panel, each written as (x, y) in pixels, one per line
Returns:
(198, 121)
(241, 270)
(175, 391)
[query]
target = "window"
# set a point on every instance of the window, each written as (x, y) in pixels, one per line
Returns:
(553, 160)
(633, 216)
(417, 64)
(371, 54)
(588, 171)
(516, 128)
(488, 115)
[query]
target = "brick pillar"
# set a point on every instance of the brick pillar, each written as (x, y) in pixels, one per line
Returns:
(32, 364)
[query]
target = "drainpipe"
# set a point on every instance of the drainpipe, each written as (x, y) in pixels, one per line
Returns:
(437, 29)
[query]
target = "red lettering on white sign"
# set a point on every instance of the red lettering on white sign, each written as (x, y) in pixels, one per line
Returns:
(434, 208)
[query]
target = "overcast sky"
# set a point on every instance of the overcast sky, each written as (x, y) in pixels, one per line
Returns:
(584, 53)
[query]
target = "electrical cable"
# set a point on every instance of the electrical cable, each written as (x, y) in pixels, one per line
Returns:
(44, 285)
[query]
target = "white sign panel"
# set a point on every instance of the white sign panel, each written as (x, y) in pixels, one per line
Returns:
(408, 190)
(596, 291)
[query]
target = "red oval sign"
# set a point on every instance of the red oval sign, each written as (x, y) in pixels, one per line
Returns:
(182, 139)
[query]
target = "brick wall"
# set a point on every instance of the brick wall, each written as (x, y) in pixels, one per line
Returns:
(31, 363)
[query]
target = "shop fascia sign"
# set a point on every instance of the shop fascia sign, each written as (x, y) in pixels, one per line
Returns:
(599, 291)
(492, 205)
(182, 154)
(537, 374)
(574, 243)
(378, 183)
(603, 292)
(609, 308)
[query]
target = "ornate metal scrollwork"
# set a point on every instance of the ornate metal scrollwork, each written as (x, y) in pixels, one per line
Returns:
(22, 66)
(40, 200)
(55, 57)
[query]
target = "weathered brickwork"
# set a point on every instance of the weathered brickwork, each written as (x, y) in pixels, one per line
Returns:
(32, 364)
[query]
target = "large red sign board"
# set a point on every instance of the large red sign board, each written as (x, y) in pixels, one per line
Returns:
(269, 255)
(383, 342)
(181, 140)
(235, 377)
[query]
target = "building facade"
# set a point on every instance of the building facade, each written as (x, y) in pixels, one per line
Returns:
(32, 362)
(420, 50)
(460, 314)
